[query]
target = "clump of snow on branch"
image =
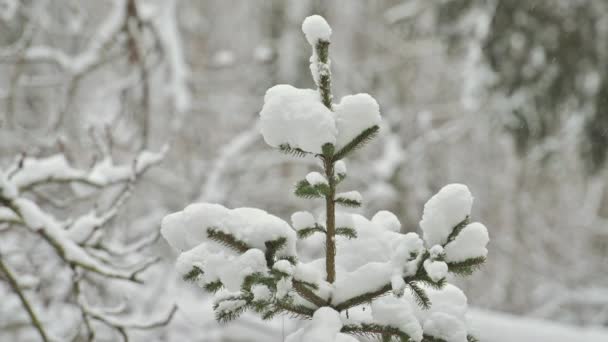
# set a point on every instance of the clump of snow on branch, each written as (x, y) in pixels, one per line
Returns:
(354, 114)
(189, 228)
(325, 326)
(296, 117)
(450, 206)
(315, 178)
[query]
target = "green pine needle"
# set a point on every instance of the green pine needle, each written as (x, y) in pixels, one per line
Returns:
(227, 240)
(458, 228)
(347, 232)
(359, 141)
(272, 247)
(419, 295)
(347, 202)
(467, 267)
(309, 231)
(213, 286)
(472, 338)
(296, 152)
(192, 274)
(305, 190)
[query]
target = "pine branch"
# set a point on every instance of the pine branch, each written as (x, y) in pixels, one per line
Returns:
(192, 274)
(226, 315)
(467, 267)
(272, 247)
(347, 202)
(471, 338)
(306, 190)
(296, 152)
(302, 289)
(358, 142)
(297, 310)
(309, 231)
(419, 295)
(227, 240)
(213, 286)
(457, 229)
(364, 298)
(347, 232)
(428, 338)
(260, 278)
(322, 51)
(371, 330)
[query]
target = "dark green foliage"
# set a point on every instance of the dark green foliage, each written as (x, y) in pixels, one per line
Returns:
(426, 280)
(227, 240)
(371, 330)
(239, 305)
(322, 49)
(306, 190)
(467, 267)
(427, 338)
(192, 274)
(359, 141)
(328, 150)
(457, 229)
(308, 232)
(347, 232)
(272, 247)
(213, 286)
(419, 295)
(364, 298)
(347, 202)
(292, 259)
(471, 338)
(262, 279)
(296, 152)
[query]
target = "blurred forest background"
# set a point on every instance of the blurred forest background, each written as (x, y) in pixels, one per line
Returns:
(509, 97)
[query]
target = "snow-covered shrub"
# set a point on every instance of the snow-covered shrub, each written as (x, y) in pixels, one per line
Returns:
(370, 279)
(73, 262)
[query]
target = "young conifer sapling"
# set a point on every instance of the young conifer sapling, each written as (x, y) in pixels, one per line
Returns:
(371, 280)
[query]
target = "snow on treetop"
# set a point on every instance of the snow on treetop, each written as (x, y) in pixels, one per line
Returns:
(316, 28)
(297, 117)
(444, 211)
(188, 228)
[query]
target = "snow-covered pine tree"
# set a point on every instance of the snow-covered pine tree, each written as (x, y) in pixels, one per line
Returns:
(370, 279)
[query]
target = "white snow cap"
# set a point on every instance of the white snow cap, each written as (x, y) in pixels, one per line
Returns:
(354, 196)
(316, 28)
(340, 168)
(387, 220)
(296, 117)
(450, 206)
(354, 114)
(302, 219)
(398, 314)
(186, 229)
(325, 326)
(315, 178)
(436, 270)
